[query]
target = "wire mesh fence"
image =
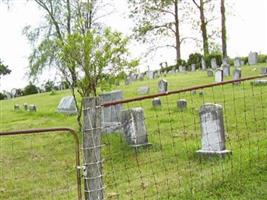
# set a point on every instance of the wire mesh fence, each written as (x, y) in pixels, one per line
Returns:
(205, 142)
(39, 164)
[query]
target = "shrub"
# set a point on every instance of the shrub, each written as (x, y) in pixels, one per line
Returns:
(2, 96)
(262, 58)
(195, 58)
(30, 89)
(217, 56)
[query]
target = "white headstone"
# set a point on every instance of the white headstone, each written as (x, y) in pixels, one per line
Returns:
(67, 106)
(213, 63)
(237, 62)
(219, 76)
(226, 70)
(193, 67)
(252, 58)
(203, 64)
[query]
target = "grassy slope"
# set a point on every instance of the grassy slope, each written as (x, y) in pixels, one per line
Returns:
(142, 174)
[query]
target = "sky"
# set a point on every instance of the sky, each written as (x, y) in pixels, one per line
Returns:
(246, 26)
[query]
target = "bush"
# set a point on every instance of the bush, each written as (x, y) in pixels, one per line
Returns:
(244, 59)
(2, 96)
(195, 58)
(262, 58)
(30, 89)
(217, 56)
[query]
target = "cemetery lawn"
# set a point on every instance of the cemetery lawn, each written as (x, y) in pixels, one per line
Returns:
(43, 166)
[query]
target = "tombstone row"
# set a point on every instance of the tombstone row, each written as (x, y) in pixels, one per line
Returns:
(26, 107)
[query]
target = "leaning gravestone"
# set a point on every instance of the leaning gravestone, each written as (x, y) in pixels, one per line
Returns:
(133, 123)
(182, 104)
(203, 64)
(143, 90)
(210, 72)
(219, 76)
(237, 62)
(67, 106)
(156, 102)
(212, 130)
(162, 86)
(252, 58)
(111, 114)
(263, 70)
(226, 70)
(213, 63)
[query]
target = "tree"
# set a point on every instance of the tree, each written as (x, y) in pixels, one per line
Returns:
(49, 86)
(30, 89)
(4, 69)
(156, 20)
(223, 21)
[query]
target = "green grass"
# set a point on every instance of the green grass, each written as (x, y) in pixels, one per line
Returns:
(43, 167)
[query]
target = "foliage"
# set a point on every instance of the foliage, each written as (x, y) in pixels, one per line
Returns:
(262, 58)
(195, 58)
(4, 69)
(30, 89)
(49, 86)
(217, 56)
(2, 96)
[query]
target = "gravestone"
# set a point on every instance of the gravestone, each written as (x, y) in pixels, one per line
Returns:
(150, 75)
(193, 67)
(252, 58)
(210, 72)
(225, 61)
(182, 104)
(259, 82)
(111, 114)
(212, 130)
(32, 108)
(219, 76)
(133, 123)
(193, 92)
(213, 63)
(263, 70)
(237, 62)
(237, 75)
(143, 90)
(16, 107)
(226, 70)
(156, 102)
(201, 93)
(127, 80)
(162, 86)
(181, 69)
(203, 64)
(67, 106)
(25, 106)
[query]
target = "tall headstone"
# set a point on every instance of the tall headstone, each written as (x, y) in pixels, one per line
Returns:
(111, 114)
(226, 70)
(212, 130)
(213, 63)
(252, 58)
(133, 122)
(162, 86)
(193, 67)
(237, 62)
(203, 64)
(219, 76)
(67, 106)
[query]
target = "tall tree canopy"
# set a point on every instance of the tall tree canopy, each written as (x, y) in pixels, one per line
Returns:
(4, 69)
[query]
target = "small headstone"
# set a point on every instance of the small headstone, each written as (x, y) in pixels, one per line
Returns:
(237, 62)
(193, 92)
(134, 128)
(181, 69)
(111, 114)
(162, 86)
(226, 70)
(141, 76)
(32, 108)
(67, 106)
(203, 64)
(181, 104)
(263, 70)
(143, 90)
(25, 106)
(201, 93)
(210, 73)
(237, 75)
(16, 107)
(259, 82)
(156, 102)
(242, 62)
(213, 63)
(219, 76)
(212, 130)
(252, 58)
(193, 67)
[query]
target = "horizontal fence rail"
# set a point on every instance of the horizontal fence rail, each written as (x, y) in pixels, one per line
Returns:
(202, 142)
(35, 132)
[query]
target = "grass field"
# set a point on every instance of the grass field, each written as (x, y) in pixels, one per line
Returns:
(43, 167)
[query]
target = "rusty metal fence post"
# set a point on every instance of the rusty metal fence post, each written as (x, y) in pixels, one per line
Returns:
(92, 149)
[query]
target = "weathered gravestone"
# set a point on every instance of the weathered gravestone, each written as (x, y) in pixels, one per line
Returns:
(16, 107)
(25, 105)
(182, 104)
(252, 58)
(162, 86)
(237, 75)
(259, 82)
(156, 102)
(133, 123)
(213, 63)
(111, 114)
(219, 76)
(226, 70)
(181, 69)
(143, 90)
(127, 80)
(203, 64)
(193, 67)
(212, 130)
(237, 62)
(225, 61)
(32, 108)
(150, 75)
(67, 106)
(210, 73)
(263, 70)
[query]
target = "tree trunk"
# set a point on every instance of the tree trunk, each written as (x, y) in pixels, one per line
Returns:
(224, 46)
(204, 29)
(177, 32)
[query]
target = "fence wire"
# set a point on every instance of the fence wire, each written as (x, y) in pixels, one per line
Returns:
(169, 167)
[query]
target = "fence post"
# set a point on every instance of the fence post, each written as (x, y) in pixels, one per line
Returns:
(92, 149)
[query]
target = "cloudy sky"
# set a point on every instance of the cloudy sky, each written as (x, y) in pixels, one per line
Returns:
(247, 31)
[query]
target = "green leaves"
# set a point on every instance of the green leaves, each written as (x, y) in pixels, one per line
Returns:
(4, 69)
